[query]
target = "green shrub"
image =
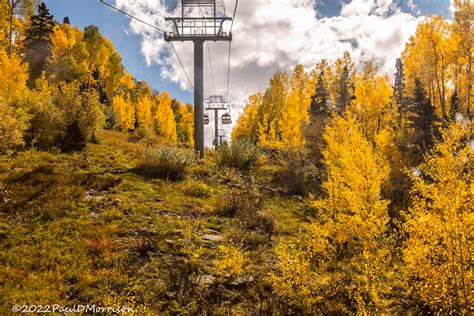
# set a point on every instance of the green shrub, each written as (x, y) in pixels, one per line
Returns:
(242, 155)
(242, 203)
(84, 116)
(166, 163)
(264, 222)
(198, 189)
(47, 121)
(245, 205)
(140, 134)
(297, 174)
(63, 116)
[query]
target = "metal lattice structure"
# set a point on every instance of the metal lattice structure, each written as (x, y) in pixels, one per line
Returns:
(205, 26)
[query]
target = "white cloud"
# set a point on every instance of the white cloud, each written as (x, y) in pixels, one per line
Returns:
(413, 7)
(451, 6)
(278, 34)
(125, 30)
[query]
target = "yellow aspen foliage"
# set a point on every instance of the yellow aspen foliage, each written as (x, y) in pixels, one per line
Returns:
(187, 123)
(127, 298)
(13, 76)
(68, 60)
(19, 25)
(143, 112)
(376, 111)
(247, 123)
(4, 25)
(296, 111)
(13, 123)
(271, 111)
(13, 117)
(427, 56)
(126, 82)
(438, 250)
(230, 261)
(356, 173)
(268, 135)
(63, 39)
(293, 280)
(125, 112)
(276, 119)
(165, 124)
(463, 70)
(110, 67)
(342, 263)
(373, 102)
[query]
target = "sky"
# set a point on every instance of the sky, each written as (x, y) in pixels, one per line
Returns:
(267, 35)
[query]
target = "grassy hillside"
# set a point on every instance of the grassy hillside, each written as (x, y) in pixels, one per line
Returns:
(88, 227)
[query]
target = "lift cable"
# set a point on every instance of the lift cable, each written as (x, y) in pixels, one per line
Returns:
(210, 66)
(228, 72)
(131, 16)
(182, 66)
(210, 60)
(156, 28)
(233, 16)
(230, 48)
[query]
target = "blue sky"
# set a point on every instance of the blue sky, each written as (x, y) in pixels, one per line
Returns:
(117, 28)
(113, 25)
(438, 7)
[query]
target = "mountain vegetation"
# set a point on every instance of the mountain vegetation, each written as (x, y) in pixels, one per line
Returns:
(340, 192)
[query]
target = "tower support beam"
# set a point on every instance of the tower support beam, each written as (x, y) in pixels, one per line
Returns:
(216, 127)
(199, 98)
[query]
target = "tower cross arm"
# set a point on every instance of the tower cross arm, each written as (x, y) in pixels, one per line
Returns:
(198, 28)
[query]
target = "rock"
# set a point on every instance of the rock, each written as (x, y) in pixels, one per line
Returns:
(177, 231)
(242, 280)
(117, 171)
(169, 241)
(90, 194)
(116, 202)
(211, 238)
(147, 231)
(206, 279)
(170, 294)
(212, 231)
(297, 197)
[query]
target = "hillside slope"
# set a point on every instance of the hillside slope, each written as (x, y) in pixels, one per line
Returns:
(87, 228)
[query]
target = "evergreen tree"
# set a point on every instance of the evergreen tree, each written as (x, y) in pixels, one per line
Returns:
(423, 118)
(38, 43)
(343, 90)
(399, 86)
(320, 98)
(343, 85)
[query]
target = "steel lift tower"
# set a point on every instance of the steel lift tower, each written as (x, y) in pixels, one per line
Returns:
(198, 29)
(217, 103)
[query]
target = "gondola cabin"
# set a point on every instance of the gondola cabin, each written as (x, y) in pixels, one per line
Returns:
(226, 119)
